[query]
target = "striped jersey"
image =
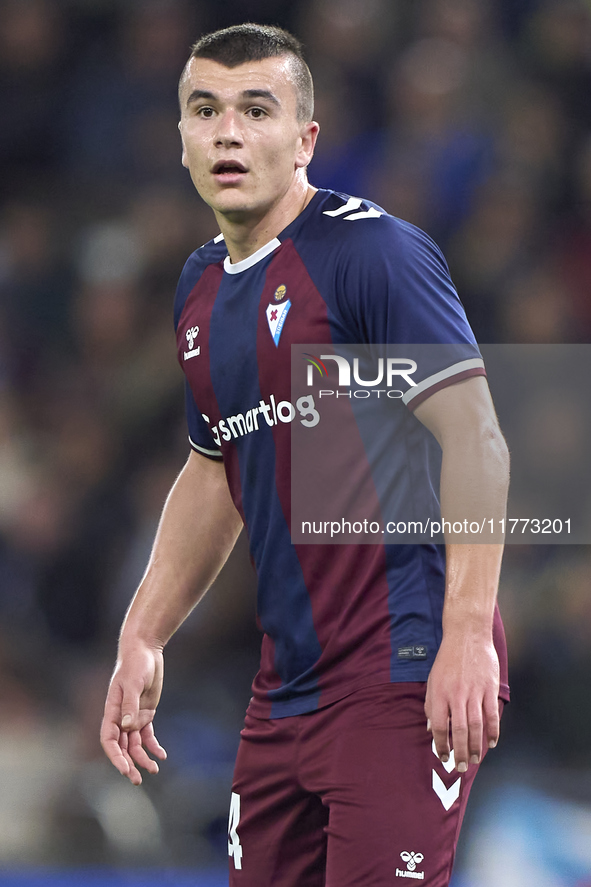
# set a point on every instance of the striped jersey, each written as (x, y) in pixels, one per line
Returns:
(335, 617)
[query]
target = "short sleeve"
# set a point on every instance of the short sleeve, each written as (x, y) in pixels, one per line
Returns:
(398, 288)
(200, 436)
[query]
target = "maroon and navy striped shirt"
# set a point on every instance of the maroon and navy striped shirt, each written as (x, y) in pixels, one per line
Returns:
(335, 617)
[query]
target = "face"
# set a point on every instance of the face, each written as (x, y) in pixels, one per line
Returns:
(242, 142)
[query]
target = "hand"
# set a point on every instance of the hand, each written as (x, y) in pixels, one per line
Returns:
(127, 732)
(463, 689)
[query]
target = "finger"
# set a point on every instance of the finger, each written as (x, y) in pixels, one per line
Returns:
(492, 721)
(134, 775)
(112, 748)
(475, 729)
(459, 731)
(110, 733)
(438, 722)
(114, 740)
(138, 753)
(151, 743)
(114, 744)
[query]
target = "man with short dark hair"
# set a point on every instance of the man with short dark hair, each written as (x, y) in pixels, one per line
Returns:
(383, 667)
(253, 43)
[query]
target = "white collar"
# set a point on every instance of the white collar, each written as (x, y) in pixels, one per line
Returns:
(238, 267)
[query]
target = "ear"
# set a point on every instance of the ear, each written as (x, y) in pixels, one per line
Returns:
(308, 136)
(184, 160)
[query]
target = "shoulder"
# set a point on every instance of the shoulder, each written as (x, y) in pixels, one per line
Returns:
(210, 254)
(387, 279)
(359, 231)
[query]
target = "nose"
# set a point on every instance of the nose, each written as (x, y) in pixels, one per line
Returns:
(228, 132)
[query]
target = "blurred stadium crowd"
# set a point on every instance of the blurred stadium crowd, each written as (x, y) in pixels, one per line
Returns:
(470, 118)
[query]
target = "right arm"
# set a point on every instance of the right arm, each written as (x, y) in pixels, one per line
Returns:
(197, 531)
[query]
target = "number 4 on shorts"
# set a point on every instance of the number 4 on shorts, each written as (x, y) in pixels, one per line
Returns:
(234, 847)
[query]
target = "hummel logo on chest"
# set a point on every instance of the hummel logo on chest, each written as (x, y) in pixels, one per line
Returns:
(191, 335)
(412, 860)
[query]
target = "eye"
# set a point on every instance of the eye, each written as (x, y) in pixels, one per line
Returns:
(206, 112)
(256, 113)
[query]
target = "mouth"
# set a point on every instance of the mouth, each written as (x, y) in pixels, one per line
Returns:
(229, 171)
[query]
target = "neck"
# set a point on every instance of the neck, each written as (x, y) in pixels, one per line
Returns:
(245, 236)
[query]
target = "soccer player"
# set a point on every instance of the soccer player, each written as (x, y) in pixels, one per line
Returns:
(383, 667)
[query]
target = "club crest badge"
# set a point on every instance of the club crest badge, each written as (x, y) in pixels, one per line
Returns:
(276, 315)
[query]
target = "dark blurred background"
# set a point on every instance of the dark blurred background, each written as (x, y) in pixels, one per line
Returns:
(469, 118)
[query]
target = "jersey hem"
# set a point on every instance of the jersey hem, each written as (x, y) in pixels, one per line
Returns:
(267, 710)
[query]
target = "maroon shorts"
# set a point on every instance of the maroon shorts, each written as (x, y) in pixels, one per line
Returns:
(351, 795)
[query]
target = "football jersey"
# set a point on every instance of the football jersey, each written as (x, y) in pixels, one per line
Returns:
(335, 617)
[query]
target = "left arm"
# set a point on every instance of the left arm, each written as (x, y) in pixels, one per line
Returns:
(463, 686)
